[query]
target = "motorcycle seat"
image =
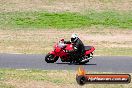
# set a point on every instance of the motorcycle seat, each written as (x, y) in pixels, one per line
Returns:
(87, 47)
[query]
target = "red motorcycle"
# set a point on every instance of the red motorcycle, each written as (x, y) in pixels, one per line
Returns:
(60, 50)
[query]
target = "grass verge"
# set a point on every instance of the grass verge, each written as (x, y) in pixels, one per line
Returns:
(106, 42)
(113, 51)
(47, 78)
(4, 85)
(66, 20)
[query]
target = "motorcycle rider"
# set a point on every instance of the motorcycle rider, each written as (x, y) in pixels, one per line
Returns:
(78, 46)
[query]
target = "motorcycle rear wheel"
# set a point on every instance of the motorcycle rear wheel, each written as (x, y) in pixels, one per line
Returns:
(50, 58)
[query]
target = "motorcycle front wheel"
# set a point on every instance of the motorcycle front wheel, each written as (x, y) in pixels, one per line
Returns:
(50, 58)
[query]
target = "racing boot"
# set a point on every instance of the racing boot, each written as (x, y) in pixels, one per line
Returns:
(87, 59)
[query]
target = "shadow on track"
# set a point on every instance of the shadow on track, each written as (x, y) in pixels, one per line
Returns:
(74, 64)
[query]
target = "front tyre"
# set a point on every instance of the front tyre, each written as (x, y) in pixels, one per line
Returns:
(50, 58)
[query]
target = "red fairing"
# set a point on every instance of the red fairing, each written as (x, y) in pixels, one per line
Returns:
(62, 54)
(57, 50)
(69, 47)
(90, 51)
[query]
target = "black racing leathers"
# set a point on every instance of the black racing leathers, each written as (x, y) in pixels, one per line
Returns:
(79, 47)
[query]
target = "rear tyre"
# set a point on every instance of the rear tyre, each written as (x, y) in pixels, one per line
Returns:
(50, 58)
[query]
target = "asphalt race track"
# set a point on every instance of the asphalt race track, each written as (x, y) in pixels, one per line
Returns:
(97, 64)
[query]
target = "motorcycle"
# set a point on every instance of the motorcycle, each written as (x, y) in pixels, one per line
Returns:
(60, 51)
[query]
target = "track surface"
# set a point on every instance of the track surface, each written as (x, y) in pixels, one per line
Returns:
(97, 64)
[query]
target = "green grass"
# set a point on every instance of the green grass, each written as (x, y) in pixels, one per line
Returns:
(109, 1)
(2, 78)
(37, 75)
(66, 20)
(3, 85)
(58, 78)
(114, 51)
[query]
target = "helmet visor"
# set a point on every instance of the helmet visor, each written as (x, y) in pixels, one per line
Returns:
(72, 39)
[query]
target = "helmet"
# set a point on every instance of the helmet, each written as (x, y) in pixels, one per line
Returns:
(74, 37)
